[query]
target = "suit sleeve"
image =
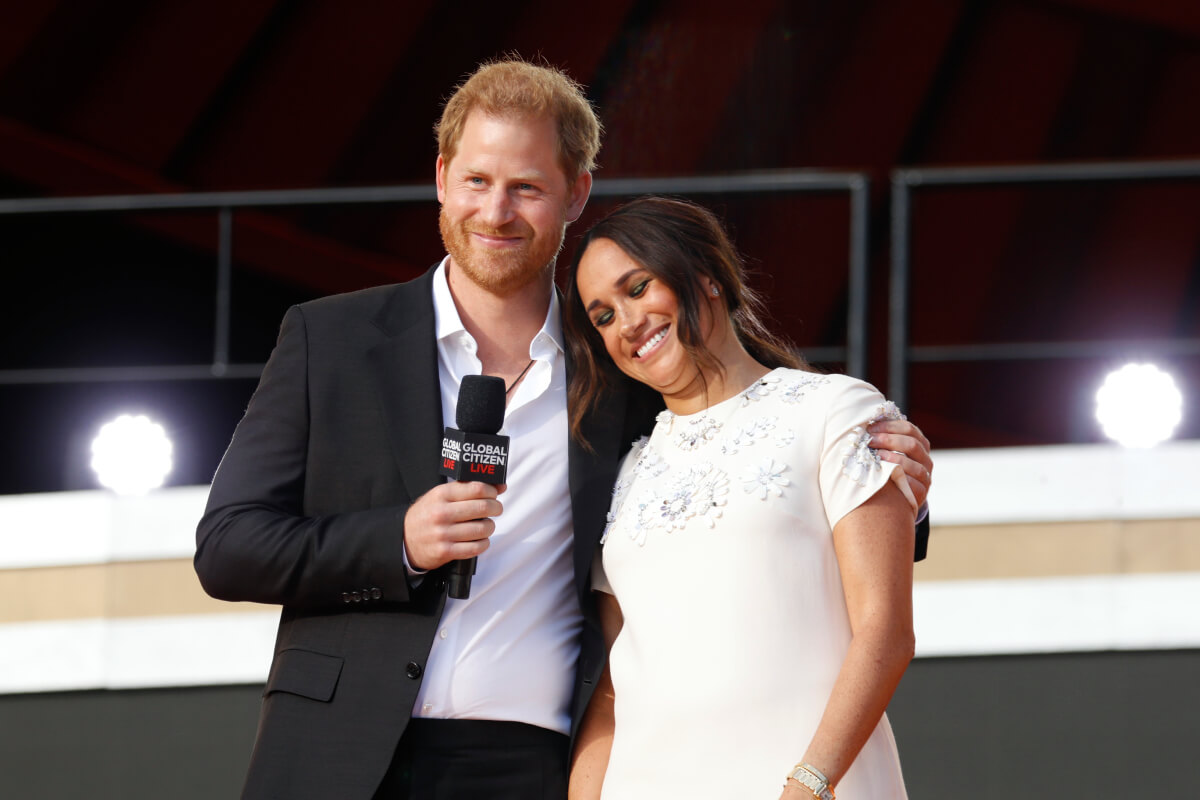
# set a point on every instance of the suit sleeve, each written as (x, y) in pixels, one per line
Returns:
(255, 542)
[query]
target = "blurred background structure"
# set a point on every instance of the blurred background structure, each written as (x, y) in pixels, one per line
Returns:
(982, 206)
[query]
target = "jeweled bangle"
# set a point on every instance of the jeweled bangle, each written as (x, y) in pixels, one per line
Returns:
(812, 779)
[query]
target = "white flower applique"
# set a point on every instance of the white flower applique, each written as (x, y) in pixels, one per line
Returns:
(698, 431)
(760, 428)
(862, 459)
(759, 389)
(796, 389)
(650, 464)
(700, 491)
(785, 437)
(764, 479)
(639, 451)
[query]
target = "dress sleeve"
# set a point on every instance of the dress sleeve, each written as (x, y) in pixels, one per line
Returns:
(851, 470)
(620, 489)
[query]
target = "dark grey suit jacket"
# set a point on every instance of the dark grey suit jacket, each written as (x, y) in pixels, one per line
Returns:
(307, 511)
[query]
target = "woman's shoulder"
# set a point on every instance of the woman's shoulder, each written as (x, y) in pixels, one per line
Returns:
(829, 385)
(833, 392)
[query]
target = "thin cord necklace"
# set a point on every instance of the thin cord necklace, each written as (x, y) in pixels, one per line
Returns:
(517, 379)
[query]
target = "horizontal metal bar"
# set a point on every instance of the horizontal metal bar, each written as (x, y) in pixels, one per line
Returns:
(1048, 173)
(825, 355)
(733, 183)
(200, 372)
(213, 200)
(1017, 351)
(780, 181)
(157, 372)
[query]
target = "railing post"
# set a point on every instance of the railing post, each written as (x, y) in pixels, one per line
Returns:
(857, 303)
(898, 306)
(224, 290)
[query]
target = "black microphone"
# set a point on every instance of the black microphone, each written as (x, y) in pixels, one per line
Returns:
(474, 452)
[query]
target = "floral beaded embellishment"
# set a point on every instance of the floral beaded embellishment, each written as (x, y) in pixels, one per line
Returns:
(765, 479)
(761, 388)
(641, 453)
(698, 431)
(746, 435)
(862, 459)
(795, 391)
(699, 492)
(650, 464)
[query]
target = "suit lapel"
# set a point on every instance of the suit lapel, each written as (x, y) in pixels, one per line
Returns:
(592, 475)
(404, 365)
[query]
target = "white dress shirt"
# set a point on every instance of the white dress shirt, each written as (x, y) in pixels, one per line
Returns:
(509, 651)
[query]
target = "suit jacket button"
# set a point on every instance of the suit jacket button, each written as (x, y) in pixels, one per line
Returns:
(356, 597)
(376, 593)
(345, 597)
(413, 670)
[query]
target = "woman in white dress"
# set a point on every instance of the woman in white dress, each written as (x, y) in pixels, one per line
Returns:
(756, 575)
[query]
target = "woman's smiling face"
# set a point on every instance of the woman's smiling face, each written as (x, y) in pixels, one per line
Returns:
(637, 316)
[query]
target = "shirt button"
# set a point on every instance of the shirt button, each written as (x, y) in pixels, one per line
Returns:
(444, 633)
(427, 707)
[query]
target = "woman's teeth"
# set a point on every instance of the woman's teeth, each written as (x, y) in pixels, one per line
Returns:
(651, 342)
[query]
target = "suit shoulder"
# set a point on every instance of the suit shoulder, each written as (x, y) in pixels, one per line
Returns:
(372, 302)
(358, 302)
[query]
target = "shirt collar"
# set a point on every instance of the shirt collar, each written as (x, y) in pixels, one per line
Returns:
(448, 323)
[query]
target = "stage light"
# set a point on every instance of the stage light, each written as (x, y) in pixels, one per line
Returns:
(1139, 405)
(131, 455)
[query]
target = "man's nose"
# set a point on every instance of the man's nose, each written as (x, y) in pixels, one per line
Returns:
(497, 208)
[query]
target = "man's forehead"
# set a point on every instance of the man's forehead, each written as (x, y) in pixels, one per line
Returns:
(469, 160)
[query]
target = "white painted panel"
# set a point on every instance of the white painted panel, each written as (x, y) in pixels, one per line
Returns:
(1055, 615)
(1065, 483)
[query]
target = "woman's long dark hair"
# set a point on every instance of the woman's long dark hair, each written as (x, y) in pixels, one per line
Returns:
(678, 242)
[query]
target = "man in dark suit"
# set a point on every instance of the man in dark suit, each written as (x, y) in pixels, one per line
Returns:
(329, 502)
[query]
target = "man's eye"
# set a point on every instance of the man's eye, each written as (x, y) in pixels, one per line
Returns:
(602, 319)
(639, 288)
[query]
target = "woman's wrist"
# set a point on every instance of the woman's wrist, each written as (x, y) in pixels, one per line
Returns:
(793, 788)
(812, 780)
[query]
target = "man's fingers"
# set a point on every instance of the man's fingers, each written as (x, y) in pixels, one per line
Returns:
(918, 475)
(916, 449)
(900, 427)
(450, 522)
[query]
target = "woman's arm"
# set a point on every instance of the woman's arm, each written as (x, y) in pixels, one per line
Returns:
(594, 742)
(874, 545)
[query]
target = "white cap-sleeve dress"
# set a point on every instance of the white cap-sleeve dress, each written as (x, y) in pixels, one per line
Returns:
(719, 550)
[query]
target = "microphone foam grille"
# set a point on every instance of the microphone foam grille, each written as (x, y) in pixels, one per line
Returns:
(480, 404)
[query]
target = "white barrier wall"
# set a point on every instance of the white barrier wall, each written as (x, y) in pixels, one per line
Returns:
(1050, 549)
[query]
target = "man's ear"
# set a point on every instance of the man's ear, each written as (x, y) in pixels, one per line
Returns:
(439, 178)
(578, 195)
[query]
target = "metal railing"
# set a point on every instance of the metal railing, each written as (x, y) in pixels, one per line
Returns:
(906, 181)
(855, 184)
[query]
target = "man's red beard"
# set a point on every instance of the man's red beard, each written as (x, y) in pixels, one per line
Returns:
(503, 272)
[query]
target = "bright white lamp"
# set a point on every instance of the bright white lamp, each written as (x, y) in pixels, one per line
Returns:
(1139, 405)
(131, 455)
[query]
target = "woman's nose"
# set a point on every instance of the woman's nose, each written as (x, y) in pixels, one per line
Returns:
(631, 323)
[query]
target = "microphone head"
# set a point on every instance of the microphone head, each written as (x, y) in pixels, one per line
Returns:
(480, 404)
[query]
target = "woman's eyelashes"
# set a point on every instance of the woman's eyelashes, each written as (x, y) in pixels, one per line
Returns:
(606, 316)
